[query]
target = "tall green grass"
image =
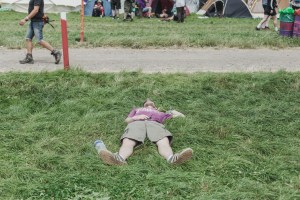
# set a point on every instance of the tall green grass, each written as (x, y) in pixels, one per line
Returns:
(243, 128)
(144, 32)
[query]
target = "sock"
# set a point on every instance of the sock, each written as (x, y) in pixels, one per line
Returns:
(121, 156)
(169, 158)
(276, 29)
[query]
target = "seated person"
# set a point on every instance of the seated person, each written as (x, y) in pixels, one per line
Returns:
(147, 8)
(98, 10)
(172, 16)
(164, 14)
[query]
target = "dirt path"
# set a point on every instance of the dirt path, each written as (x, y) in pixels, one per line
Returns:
(158, 60)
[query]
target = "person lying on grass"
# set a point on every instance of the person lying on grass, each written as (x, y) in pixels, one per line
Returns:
(144, 122)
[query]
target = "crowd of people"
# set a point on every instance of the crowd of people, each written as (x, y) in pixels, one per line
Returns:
(175, 10)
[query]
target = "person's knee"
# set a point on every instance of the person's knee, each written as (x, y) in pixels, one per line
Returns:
(40, 42)
(128, 142)
(163, 141)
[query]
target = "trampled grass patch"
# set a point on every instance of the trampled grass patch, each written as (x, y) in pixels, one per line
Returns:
(243, 128)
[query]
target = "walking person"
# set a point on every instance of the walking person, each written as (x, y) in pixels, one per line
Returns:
(265, 25)
(115, 7)
(128, 10)
(144, 122)
(180, 4)
(35, 29)
(269, 11)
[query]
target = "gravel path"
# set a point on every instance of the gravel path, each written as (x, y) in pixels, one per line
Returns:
(158, 60)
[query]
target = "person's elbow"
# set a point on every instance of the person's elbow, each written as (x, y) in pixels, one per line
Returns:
(36, 9)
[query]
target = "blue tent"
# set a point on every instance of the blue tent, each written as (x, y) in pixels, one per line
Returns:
(107, 8)
(88, 7)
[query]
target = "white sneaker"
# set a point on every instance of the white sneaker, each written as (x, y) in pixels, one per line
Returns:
(181, 157)
(111, 158)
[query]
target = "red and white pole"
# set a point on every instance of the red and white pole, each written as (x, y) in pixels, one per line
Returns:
(64, 36)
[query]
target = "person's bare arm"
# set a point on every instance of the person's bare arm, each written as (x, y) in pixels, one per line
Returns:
(31, 15)
(135, 118)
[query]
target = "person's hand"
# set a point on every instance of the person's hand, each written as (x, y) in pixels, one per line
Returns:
(22, 22)
(140, 117)
(175, 113)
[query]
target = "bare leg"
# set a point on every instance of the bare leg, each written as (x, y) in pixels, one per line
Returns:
(266, 23)
(165, 151)
(164, 148)
(149, 12)
(126, 148)
(262, 21)
(113, 12)
(125, 15)
(275, 22)
(117, 13)
(46, 45)
(29, 46)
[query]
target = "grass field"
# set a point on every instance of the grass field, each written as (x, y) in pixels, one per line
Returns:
(243, 128)
(143, 33)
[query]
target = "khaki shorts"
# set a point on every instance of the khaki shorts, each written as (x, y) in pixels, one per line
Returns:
(139, 130)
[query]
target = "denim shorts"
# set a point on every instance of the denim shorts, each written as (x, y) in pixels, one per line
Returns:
(145, 9)
(35, 29)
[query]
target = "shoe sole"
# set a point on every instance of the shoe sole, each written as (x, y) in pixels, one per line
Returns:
(185, 155)
(32, 62)
(108, 158)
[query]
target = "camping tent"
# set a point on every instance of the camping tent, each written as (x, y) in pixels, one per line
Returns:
(89, 6)
(51, 6)
(226, 8)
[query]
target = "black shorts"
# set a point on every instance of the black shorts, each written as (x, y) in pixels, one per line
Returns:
(268, 9)
(115, 4)
(295, 7)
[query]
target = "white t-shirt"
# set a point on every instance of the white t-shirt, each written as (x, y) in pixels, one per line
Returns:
(180, 3)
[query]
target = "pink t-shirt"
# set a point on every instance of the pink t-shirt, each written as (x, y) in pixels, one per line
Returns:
(152, 113)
